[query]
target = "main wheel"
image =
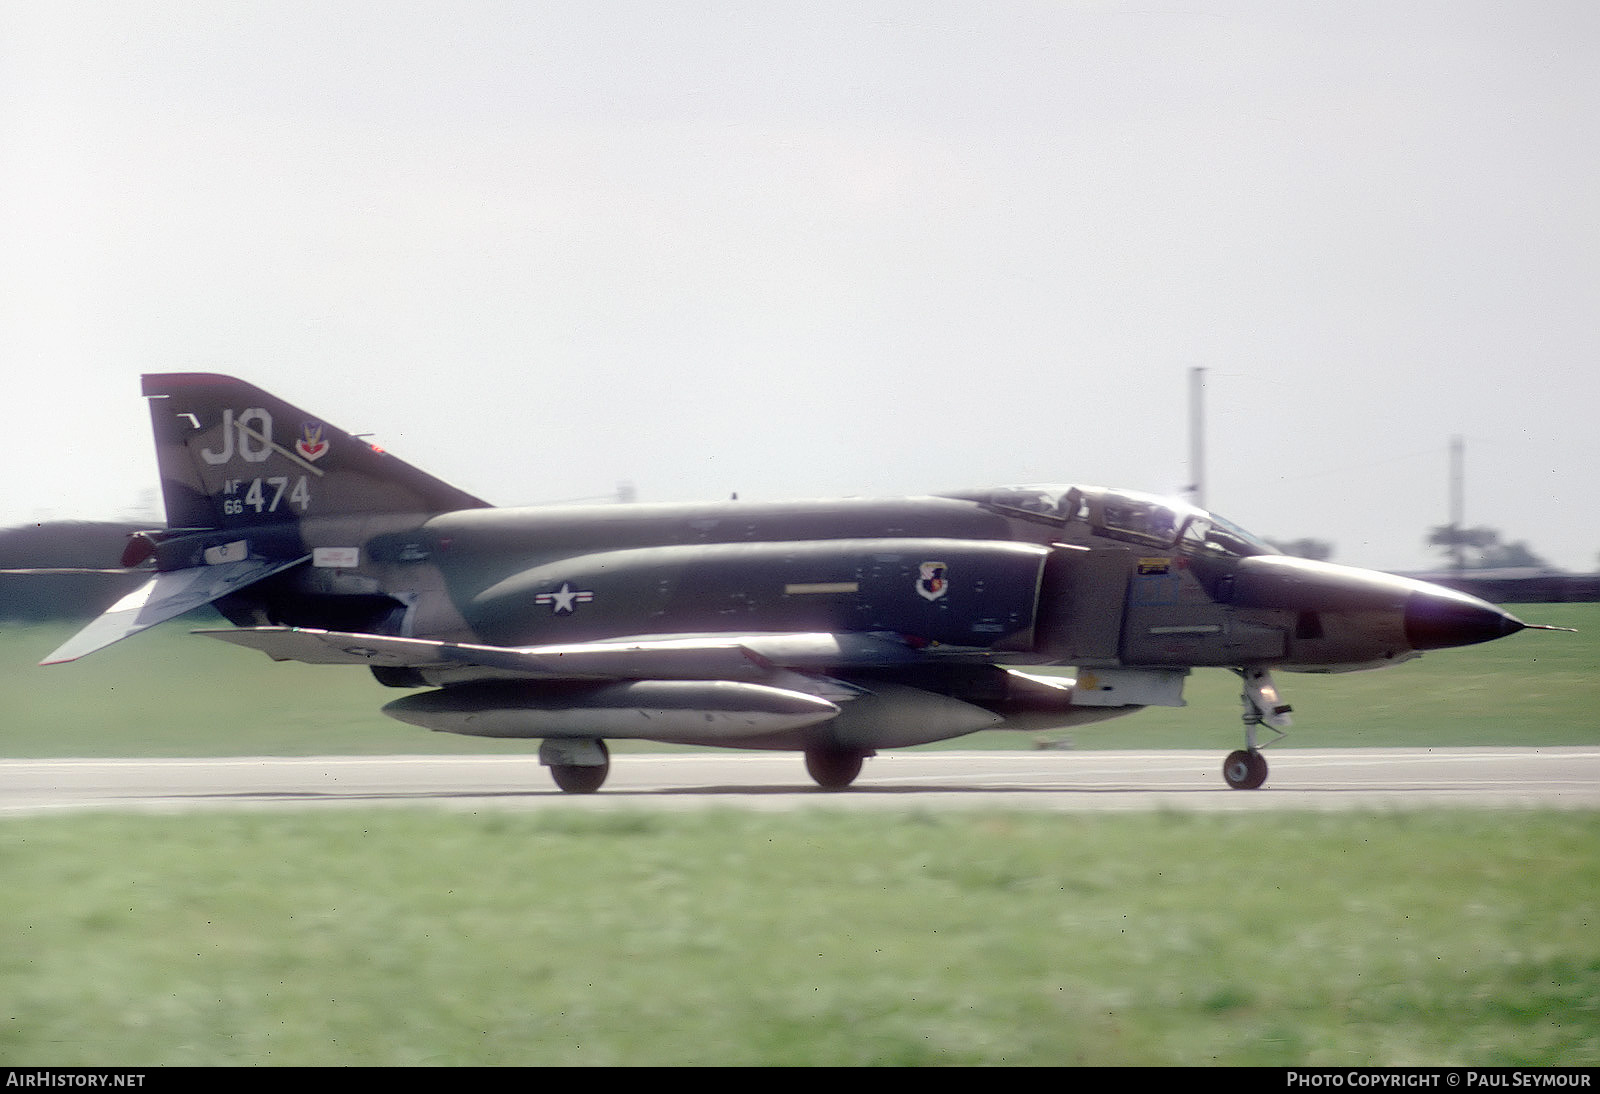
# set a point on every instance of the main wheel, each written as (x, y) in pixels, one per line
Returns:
(834, 769)
(583, 778)
(1245, 770)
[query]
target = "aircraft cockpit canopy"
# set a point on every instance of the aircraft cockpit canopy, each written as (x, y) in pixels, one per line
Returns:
(1121, 514)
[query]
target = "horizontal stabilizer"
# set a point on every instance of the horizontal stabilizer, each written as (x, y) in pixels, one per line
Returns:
(166, 596)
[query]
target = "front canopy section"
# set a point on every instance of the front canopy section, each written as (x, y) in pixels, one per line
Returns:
(1143, 520)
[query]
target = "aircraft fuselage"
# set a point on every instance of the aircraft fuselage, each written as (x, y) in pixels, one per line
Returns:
(835, 627)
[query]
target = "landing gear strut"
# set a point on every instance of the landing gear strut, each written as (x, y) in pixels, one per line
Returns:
(1246, 769)
(835, 769)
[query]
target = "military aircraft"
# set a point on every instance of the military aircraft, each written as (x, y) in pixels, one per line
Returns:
(834, 628)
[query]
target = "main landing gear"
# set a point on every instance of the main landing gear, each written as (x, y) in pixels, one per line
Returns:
(835, 768)
(578, 766)
(1246, 769)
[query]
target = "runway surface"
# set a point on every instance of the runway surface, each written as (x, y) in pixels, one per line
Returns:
(1065, 781)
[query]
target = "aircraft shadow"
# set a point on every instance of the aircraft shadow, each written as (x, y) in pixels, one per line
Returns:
(743, 791)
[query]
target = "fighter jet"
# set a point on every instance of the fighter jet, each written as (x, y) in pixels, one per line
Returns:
(832, 628)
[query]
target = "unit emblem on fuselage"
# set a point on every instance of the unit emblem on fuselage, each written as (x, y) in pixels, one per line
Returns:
(933, 580)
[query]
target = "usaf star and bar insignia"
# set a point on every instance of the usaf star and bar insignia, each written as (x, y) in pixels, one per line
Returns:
(564, 600)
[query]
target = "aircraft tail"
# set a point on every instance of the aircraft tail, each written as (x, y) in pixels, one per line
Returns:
(239, 470)
(233, 456)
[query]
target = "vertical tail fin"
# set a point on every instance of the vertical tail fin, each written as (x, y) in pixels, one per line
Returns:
(235, 459)
(233, 456)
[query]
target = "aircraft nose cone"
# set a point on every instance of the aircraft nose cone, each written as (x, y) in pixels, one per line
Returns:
(1438, 618)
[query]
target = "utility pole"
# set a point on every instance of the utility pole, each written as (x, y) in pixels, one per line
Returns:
(1458, 502)
(1197, 437)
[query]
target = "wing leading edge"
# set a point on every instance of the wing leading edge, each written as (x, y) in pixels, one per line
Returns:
(688, 688)
(674, 657)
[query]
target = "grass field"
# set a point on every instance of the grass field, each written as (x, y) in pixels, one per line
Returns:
(397, 937)
(168, 693)
(730, 937)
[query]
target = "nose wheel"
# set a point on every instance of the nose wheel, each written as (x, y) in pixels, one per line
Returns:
(1246, 768)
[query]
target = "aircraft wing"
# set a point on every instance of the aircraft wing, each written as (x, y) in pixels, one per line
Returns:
(166, 596)
(679, 657)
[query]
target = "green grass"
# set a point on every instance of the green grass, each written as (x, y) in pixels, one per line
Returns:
(391, 936)
(409, 937)
(167, 693)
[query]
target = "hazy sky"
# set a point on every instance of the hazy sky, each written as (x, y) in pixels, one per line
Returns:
(804, 249)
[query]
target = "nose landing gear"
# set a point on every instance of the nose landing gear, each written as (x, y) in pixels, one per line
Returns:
(1246, 769)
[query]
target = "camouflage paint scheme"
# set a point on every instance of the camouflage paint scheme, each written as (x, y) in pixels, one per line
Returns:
(832, 627)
